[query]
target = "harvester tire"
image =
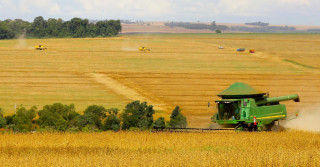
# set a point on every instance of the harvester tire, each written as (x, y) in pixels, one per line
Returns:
(278, 128)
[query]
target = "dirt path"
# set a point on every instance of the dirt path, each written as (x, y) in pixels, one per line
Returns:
(128, 92)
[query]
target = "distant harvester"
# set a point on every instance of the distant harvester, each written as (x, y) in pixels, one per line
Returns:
(241, 49)
(144, 49)
(40, 47)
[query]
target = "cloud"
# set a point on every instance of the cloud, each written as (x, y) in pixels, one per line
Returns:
(45, 6)
(136, 8)
(274, 11)
(7, 6)
(295, 2)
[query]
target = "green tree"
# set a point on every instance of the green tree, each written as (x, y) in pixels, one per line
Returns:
(23, 118)
(112, 122)
(78, 27)
(1, 112)
(92, 30)
(18, 26)
(9, 118)
(138, 115)
(58, 116)
(5, 32)
(3, 121)
(54, 27)
(38, 27)
(218, 31)
(177, 120)
(93, 115)
(41, 28)
(160, 123)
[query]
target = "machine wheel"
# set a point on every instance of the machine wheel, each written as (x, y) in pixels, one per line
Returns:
(277, 128)
(249, 127)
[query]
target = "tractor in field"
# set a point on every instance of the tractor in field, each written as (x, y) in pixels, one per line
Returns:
(244, 108)
(144, 49)
(241, 49)
(40, 47)
(252, 51)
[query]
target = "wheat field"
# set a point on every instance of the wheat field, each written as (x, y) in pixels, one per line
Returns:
(161, 149)
(182, 69)
(187, 70)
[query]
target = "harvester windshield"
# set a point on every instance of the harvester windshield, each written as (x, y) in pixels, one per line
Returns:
(228, 110)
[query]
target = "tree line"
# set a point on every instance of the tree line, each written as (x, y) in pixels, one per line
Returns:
(57, 28)
(260, 27)
(59, 117)
(264, 29)
(200, 26)
(259, 23)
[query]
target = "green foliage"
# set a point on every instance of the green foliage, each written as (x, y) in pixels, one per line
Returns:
(218, 31)
(23, 119)
(112, 122)
(1, 112)
(76, 28)
(99, 111)
(113, 111)
(3, 122)
(58, 116)
(177, 120)
(88, 119)
(259, 23)
(38, 27)
(137, 114)
(17, 26)
(5, 32)
(160, 123)
(90, 128)
(93, 115)
(188, 25)
(9, 119)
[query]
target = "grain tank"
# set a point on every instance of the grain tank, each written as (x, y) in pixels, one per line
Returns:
(243, 107)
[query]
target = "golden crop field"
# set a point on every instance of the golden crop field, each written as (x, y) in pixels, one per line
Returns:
(181, 69)
(187, 70)
(161, 149)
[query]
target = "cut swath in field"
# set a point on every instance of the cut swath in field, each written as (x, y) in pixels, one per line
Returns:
(131, 92)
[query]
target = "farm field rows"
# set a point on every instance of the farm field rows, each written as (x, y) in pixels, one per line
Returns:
(182, 69)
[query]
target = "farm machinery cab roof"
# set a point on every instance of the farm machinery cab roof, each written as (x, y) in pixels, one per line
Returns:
(243, 107)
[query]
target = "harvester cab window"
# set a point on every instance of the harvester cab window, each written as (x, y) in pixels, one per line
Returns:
(229, 110)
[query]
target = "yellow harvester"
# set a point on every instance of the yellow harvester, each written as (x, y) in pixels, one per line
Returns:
(40, 47)
(144, 49)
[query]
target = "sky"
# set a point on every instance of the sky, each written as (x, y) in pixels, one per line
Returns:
(280, 12)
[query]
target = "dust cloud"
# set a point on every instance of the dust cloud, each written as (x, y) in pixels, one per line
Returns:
(306, 120)
(22, 43)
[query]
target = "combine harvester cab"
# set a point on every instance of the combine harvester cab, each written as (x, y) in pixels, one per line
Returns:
(244, 108)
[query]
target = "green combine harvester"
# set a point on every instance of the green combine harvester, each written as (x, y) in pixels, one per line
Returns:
(243, 107)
